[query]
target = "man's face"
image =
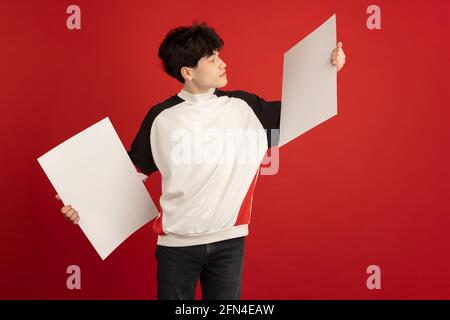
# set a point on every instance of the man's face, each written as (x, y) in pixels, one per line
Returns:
(210, 72)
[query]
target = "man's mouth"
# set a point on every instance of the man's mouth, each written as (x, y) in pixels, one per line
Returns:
(223, 74)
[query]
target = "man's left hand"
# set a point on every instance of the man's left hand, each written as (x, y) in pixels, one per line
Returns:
(338, 57)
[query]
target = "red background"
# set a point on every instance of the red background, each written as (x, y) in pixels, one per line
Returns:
(369, 186)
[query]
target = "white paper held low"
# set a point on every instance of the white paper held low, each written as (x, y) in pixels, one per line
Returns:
(92, 172)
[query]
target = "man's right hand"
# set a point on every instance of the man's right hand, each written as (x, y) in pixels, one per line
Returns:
(69, 213)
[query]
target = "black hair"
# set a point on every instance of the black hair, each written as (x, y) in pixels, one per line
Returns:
(185, 46)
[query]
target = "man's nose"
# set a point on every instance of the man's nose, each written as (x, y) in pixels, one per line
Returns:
(224, 65)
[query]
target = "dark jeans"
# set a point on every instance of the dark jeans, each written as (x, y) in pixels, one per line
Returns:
(217, 264)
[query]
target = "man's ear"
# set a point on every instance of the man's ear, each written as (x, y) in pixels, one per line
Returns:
(186, 73)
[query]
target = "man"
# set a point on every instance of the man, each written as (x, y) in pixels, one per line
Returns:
(206, 204)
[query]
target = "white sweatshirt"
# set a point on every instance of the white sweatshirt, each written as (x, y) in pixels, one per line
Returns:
(208, 148)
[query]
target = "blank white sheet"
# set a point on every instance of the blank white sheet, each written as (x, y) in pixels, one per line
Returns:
(92, 172)
(309, 91)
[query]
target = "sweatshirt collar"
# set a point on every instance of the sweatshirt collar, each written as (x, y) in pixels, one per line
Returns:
(196, 97)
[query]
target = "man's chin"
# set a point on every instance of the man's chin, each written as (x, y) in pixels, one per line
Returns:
(222, 83)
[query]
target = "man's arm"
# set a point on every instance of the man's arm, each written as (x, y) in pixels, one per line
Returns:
(140, 152)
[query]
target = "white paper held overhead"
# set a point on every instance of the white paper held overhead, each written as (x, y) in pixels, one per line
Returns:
(309, 91)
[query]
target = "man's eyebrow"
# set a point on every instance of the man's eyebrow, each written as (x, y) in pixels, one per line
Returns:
(211, 56)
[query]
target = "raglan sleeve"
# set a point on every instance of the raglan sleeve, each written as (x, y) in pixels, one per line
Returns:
(140, 152)
(268, 113)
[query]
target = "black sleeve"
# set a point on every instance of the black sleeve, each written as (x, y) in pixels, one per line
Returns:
(268, 113)
(141, 152)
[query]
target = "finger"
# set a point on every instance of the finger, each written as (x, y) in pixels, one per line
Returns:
(339, 44)
(66, 209)
(70, 213)
(74, 216)
(335, 56)
(58, 197)
(339, 58)
(334, 61)
(338, 53)
(77, 220)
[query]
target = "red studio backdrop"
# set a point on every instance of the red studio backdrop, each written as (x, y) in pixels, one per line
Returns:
(369, 186)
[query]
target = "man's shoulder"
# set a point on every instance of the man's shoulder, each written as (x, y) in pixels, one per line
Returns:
(235, 93)
(156, 109)
(251, 99)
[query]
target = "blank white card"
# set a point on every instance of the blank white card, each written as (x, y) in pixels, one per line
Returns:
(92, 172)
(309, 91)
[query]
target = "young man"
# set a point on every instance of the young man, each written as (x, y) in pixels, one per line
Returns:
(206, 205)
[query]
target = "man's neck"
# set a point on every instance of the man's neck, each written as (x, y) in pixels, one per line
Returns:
(194, 89)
